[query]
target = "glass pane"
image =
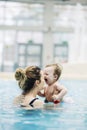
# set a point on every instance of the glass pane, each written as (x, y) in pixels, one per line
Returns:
(1, 36)
(12, 10)
(9, 53)
(26, 36)
(61, 52)
(23, 36)
(22, 49)
(59, 38)
(33, 61)
(9, 37)
(21, 61)
(7, 46)
(63, 15)
(1, 14)
(60, 59)
(37, 37)
(24, 14)
(33, 50)
(8, 68)
(58, 51)
(1, 52)
(68, 15)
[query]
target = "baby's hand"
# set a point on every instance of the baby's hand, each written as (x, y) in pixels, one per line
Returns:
(55, 97)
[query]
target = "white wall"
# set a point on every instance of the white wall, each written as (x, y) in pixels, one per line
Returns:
(74, 71)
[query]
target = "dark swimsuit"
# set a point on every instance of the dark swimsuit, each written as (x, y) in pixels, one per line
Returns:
(31, 102)
(46, 101)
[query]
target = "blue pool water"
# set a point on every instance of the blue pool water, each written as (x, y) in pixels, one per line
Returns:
(65, 117)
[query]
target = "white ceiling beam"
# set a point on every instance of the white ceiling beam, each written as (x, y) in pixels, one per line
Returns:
(63, 2)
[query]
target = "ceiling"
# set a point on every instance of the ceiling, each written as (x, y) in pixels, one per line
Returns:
(71, 2)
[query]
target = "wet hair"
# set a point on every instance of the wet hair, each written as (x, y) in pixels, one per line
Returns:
(26, 77)
(57, 69)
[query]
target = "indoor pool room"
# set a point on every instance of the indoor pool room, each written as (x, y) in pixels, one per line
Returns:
(65, 116)
(43, 42)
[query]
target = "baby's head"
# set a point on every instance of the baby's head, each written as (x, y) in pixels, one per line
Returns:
(26, 77)
(52, 73)
(57, 69)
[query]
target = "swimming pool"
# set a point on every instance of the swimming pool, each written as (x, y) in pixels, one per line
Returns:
(65, 117)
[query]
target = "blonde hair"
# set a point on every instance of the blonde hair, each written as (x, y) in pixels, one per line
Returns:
(27, 77)
(57, 69)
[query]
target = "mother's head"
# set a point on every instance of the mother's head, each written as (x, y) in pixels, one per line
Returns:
(29, 78)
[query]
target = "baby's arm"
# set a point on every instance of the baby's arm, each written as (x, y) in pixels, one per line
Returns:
(62, 91)
(41, 93)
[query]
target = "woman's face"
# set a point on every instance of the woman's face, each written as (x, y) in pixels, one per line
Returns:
(41, 84)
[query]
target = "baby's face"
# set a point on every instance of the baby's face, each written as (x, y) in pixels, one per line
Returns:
(49, 75)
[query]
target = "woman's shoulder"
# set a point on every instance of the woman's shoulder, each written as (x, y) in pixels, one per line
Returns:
(32, 104)
(18, 100)
(35, 103)
(38, 103)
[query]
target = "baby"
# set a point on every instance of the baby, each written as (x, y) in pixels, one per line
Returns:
(53, 91)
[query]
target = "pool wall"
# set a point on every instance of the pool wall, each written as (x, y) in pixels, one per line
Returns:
(70, 71)
(74, 71)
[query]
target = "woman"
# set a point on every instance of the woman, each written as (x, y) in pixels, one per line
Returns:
(31, 81)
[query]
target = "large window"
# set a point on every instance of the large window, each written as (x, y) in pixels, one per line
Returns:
(61, 52)
(68, 15)
(12, 13)
(29, 54)
(14, 16)
(26, 36)
(41, 22)
(61, 46)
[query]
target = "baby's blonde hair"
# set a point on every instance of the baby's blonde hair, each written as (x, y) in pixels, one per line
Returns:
(57, 69)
